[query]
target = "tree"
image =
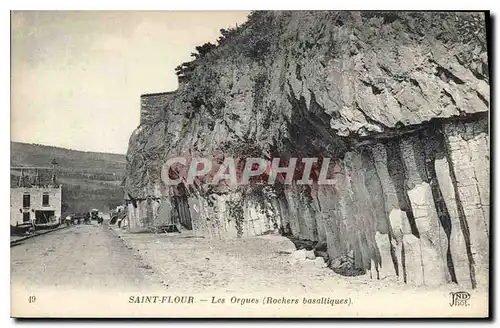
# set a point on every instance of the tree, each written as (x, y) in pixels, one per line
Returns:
(203, 50)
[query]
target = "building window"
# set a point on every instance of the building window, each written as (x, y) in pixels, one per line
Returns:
(45, 199)
(26, 216)
(26, 200)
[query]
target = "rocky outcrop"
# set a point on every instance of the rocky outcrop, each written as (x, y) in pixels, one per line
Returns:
(398, 101)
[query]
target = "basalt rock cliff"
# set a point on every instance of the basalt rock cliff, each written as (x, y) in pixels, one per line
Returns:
(400, 103)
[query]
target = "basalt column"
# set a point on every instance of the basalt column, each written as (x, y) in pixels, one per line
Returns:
(384, 235)
(467, 148)
(402, 220)
(398, 224)
(448, 209)
(331, 218)
(432, 237)
(356, 212)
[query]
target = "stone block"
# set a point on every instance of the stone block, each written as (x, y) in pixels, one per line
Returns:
(310, 255)
(299, 255)
(319, 262)
(413, 260)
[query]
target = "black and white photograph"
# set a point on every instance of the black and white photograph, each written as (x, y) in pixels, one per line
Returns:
(250, 164)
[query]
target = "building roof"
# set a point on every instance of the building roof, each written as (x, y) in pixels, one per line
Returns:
(29, 178)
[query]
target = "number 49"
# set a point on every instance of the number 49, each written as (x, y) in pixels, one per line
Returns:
(32, 299)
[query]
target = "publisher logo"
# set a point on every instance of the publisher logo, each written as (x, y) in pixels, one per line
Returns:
(459, 298)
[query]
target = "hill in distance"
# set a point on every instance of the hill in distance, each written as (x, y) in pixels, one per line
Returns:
(24, 154)
(89, 179)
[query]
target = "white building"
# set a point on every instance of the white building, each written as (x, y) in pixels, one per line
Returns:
(34, 198)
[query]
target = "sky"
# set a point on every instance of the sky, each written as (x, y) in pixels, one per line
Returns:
(77, 77)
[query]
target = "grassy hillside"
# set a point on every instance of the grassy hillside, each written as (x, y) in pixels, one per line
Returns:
(89, 179)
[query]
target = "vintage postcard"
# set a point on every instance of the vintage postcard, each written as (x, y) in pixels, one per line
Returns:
(324, 164)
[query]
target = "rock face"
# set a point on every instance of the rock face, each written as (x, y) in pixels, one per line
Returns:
(398, 101)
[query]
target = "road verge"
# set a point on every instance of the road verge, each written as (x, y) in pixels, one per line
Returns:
(16, 241)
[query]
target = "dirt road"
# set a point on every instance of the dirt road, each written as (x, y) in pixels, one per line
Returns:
(93, 256)
(89, 256)
(101, 267)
